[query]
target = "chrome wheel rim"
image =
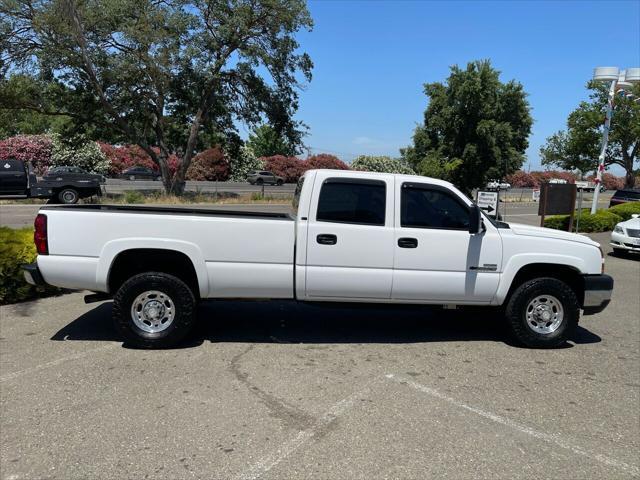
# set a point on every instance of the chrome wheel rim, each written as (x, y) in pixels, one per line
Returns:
(153, 311)
(544, 314)
(68, 197)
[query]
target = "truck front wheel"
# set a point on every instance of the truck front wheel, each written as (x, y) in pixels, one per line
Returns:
(543, 312)
(154, 310)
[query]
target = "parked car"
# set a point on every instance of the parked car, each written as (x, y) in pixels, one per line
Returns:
(18, 180)
(587, 186)
(356, 237)
(140, 173)
(497, 185)
(625, 196)
(264, 177)
(68, 172)
(626, 236)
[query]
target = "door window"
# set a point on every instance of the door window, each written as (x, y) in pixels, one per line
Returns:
(423, 206)
(12, 166)
(352, 201)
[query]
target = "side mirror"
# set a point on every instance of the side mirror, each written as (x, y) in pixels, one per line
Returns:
(635, 215)
(475, 219)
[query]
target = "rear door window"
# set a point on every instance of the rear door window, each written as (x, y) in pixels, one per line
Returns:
(12, 166)
(361, 202)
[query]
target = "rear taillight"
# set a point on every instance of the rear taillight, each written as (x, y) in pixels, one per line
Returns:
(40, 234)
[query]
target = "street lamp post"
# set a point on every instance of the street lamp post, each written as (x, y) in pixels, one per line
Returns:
(620, 80)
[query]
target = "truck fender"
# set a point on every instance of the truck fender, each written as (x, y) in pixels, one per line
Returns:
(115, 247)
(517, 262)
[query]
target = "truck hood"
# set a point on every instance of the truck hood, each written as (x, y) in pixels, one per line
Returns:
(520, 229)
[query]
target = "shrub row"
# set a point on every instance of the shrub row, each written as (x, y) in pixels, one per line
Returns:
(601, 221)
(522, 179)
(292, 168)
(17, 248)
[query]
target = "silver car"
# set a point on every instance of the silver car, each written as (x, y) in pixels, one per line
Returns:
(262, 177)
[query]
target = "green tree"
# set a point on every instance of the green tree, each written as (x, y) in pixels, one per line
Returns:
(578, 148)
(164, 74)
(266, 141)
(475, 127)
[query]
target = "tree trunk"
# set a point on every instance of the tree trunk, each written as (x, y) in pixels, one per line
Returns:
(178, 183)
(630, 179)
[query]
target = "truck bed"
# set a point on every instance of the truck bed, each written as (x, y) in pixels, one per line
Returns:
(234, 253)
(160, 210)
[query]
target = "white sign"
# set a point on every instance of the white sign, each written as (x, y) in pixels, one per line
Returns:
(488, 201)
(536, 195)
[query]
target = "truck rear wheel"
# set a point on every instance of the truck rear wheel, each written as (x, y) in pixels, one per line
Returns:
(68, 196)
(154, 310)
(543, 312)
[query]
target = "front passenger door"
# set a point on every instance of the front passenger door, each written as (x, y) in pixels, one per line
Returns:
(437, 260)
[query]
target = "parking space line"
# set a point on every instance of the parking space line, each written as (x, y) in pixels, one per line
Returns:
(547, 437)
(53, 363)
(269, 461)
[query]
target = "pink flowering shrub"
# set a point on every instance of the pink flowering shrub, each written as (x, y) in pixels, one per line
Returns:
(289, 168)
(210, 164)
(28, 148)
(324, 160)
(126, 156)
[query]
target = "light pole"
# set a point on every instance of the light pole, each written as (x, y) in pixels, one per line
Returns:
(620, 80)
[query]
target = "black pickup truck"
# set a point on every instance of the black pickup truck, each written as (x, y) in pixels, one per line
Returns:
(18, 180)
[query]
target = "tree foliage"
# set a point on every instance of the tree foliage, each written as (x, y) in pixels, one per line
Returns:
(475, 127)
(173, 75)
(578, 148)
(266, 141)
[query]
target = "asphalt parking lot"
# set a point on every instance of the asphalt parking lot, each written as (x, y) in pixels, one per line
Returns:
(281, 390)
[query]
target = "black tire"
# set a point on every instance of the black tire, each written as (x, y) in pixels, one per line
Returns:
(279, 183)
(619, 252)
(132, 177)
(158, 178)
(68, 196)
(259, 181)
(524, 295)
(184, 308)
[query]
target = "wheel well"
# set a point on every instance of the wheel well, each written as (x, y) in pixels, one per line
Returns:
(139, 260)
(568, 275)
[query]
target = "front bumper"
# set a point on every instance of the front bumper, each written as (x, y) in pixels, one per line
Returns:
(624, 242)
(597, 293)
(32, 274)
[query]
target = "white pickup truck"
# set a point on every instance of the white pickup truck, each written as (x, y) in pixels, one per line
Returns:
(355, 237)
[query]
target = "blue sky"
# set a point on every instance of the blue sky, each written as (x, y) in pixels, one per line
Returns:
(373, 57)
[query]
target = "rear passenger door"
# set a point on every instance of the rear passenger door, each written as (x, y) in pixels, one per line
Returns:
(350, 237)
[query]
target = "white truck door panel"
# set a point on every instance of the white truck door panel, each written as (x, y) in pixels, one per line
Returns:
(436, 259)
(350, 238)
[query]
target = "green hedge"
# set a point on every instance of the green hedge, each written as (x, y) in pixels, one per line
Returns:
(625, 210)
(17, 248)
(601, 221)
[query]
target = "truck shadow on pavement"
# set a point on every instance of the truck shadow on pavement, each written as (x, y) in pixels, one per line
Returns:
(291, 322)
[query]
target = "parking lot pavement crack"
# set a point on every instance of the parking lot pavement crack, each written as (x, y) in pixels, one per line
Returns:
(507, 422)
(290, 415)
(314, 432)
